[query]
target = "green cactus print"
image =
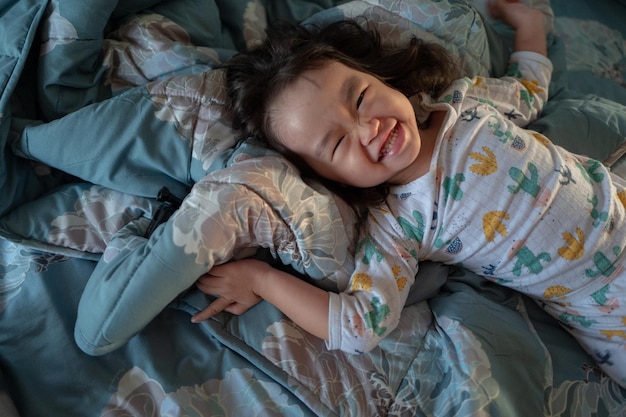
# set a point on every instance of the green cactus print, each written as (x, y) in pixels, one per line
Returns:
(452, 187)
(593, 167)
(513, 71)
(600, 295)
(506, 136)
(526, 95)
(597, 216)
(374, 317)
(526, 258)
(604, 266)
(440, 242)
(589, 171)
(411, 231)
(527, 98)
(496, 130)
(583, 321)
(528, 184)
(486, 101)
(369, 250)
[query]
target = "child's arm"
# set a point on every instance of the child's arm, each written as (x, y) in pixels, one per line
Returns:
(522, 93)
(242, 284)
(530, 35)
(355, 320)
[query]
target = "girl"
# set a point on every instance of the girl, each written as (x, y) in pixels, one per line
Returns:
(448, 174)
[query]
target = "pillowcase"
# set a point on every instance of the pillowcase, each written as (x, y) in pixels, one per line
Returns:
(457, 26)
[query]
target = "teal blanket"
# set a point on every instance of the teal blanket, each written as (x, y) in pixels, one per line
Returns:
(104, 104)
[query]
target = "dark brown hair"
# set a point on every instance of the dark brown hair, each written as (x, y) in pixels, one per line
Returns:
(255, 78)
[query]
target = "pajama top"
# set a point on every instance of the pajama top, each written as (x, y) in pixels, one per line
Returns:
(506, 203)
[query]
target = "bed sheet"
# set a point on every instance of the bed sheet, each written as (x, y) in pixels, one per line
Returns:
(139, 80)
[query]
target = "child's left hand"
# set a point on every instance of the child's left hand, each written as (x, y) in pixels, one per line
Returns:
(233, 282)
(514, 13)
(527, 22)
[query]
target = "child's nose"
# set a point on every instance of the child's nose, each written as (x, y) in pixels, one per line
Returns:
(367, 130)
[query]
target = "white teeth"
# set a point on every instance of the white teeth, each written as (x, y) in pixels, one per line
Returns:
(389, 144)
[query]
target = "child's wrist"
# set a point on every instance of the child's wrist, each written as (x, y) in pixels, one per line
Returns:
(262, 279)
(531, 38)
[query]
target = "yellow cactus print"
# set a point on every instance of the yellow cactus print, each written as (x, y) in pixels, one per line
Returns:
(575, 248)
(487, 162)
(361, 281)
(492, 223)
(613, 333)
(556, 291)
(400, 281)
(621, 196)
(479, 81)
(542, 139)
(532, 86)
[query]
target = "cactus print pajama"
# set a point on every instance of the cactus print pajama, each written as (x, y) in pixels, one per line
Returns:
(506, 203)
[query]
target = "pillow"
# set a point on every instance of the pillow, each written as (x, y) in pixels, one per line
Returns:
(455, 25)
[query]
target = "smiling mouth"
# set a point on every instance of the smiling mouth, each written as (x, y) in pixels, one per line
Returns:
(389, 144)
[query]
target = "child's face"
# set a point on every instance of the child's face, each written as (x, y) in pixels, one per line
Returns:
(349, 127)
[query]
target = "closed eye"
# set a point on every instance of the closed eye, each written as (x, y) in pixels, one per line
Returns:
(338, 143)
(359, 101)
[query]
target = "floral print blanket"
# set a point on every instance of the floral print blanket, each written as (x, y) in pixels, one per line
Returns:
(104, 104)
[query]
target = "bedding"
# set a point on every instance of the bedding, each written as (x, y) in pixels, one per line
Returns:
(104, 104)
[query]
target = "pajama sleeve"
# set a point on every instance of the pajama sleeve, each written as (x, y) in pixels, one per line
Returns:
(522, 93)
(370, 308)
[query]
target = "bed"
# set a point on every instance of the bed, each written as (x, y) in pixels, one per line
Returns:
(103, 105)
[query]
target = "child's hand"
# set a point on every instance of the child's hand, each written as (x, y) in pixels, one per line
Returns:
(515, 13)
(528, 24)
(242, 284)
(234, 283)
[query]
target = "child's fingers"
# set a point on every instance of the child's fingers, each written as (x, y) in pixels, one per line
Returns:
(209, 283)
(512, 12)
(237, 308)
(494, 8)
(215, 307)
